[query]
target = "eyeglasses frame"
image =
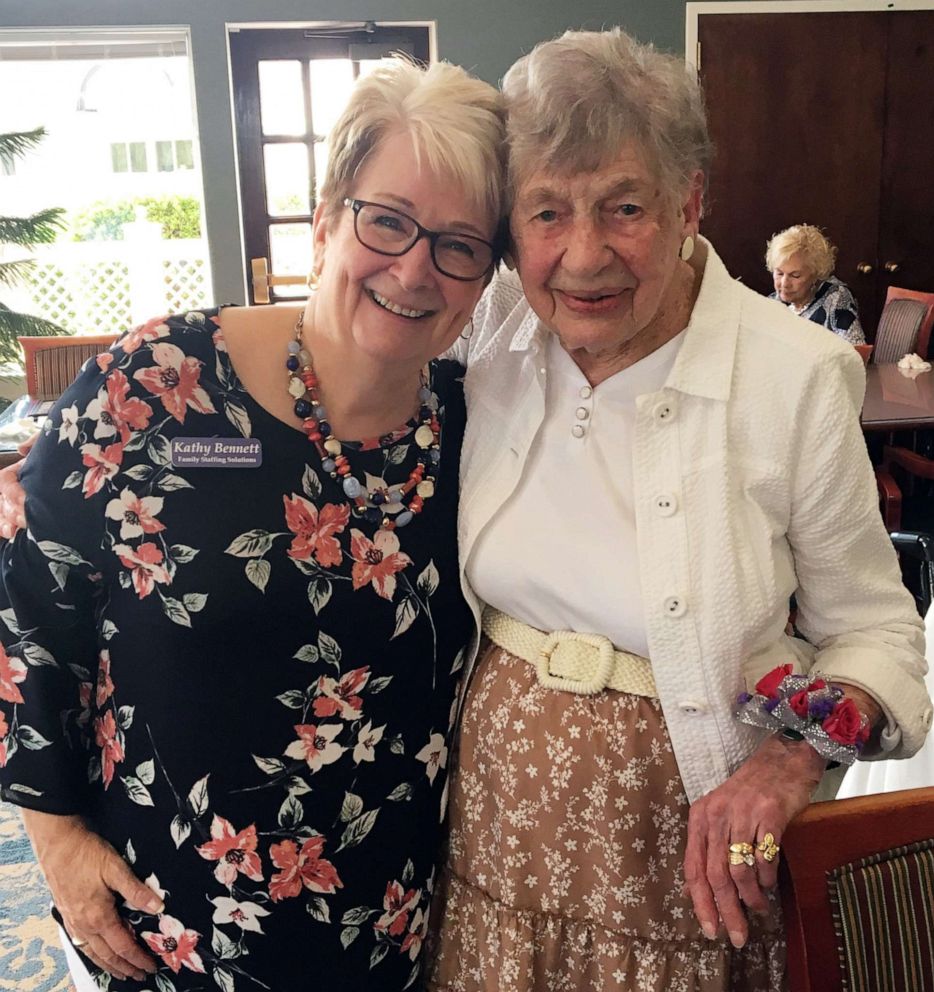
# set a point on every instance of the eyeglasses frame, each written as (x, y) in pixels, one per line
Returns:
(357, 205)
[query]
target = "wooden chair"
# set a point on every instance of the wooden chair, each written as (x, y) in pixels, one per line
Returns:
(53, 362)
(857, 888)
(905, 325)
(927, 325)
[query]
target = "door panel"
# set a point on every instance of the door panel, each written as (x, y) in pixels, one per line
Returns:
(796, 112)
(907, 221)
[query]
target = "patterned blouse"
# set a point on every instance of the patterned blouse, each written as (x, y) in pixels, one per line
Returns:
(835, 307)
(246, 688)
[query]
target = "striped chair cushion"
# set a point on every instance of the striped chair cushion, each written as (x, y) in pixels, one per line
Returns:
(898, 329)
(884, 919)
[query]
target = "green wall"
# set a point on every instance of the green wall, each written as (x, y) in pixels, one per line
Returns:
(484, 35)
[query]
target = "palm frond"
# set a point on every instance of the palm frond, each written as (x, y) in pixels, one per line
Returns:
(16, 273)
(14, 325)
(15, 144)
(40, 228)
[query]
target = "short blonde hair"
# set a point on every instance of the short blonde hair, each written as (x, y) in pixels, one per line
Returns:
(819, 255)
(576, 101)
(457, 123)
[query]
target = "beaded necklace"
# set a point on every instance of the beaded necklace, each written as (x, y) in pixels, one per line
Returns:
(380, 505)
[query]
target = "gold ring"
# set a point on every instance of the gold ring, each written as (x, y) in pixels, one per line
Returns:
(768, 848)
(742, 853)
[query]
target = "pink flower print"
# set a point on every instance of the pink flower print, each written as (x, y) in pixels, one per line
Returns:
(316, 745)
(367, 739)
(377, 561)
(114, 412)
(145, 564)
(245, 914)
(108, 739)
(4, 730)
(152, 330)
(234, 852)
(105, 686)
(102, 463)
(85, 692)
(397, 903)
(299, 868)
(418, 928)
(174, 379)
(175, 945)
(218, 338)
(339, 698)
(104, 360)
(435, 756)
(12, 672)
(314, 531)
(137, 514)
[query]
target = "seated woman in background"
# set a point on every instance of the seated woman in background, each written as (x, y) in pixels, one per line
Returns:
(801, 261)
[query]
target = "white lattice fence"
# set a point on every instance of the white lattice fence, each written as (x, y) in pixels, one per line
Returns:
(186, 284)
(98, 287)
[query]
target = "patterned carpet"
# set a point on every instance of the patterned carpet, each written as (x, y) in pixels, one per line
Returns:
(31, 959)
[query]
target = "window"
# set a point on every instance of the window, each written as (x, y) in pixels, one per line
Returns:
(120, 158)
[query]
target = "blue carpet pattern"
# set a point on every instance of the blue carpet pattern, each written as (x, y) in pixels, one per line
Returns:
(31, 959)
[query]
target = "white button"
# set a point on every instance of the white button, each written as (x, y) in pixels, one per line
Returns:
(675, 606)
(578, 430)
(666, 504)
(586, 392)
(692, 706)
(665, 411)
(582, 413)
(543, 371)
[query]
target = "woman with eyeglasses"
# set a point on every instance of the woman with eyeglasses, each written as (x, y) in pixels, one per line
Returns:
(234, 630)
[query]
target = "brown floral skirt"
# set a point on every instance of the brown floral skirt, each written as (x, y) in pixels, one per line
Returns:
(568, 829)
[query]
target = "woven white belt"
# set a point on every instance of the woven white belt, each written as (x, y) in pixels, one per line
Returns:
(570, 662)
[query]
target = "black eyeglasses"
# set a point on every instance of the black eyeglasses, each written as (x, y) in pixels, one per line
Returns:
(391, 232)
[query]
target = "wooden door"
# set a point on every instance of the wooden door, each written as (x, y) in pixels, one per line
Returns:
(796, 104)
(906, 228)
(288, 85)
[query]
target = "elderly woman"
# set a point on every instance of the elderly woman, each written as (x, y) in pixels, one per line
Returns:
(234, 629)
(656, 458)
(802, 261)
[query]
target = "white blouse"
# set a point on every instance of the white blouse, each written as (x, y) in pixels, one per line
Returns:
(561, 553)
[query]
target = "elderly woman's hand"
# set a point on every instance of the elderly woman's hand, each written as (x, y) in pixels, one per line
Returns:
(85, 874)
(12, 495)
(764, 794)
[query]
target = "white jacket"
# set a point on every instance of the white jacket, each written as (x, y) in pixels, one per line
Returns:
(752, 483)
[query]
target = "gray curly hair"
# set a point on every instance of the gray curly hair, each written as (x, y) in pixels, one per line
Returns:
(574, 102)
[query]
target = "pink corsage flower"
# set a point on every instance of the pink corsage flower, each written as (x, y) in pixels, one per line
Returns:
(769, 683)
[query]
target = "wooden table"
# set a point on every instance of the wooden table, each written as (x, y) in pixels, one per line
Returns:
(897, 400)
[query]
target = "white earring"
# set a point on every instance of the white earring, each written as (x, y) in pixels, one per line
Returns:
(687, 248)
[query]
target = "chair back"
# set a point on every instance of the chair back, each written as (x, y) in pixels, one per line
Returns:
(927, 325)
(53, 362)
(857, 888)
(899, 329)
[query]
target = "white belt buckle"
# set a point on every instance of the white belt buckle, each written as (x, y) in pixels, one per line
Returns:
(601, 666)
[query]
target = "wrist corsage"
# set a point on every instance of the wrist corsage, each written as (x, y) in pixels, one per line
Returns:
(809, 708)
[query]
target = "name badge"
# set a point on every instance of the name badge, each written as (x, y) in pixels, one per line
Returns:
(217, 452)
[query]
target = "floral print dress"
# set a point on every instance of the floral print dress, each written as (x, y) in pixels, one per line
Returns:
(245, 688)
